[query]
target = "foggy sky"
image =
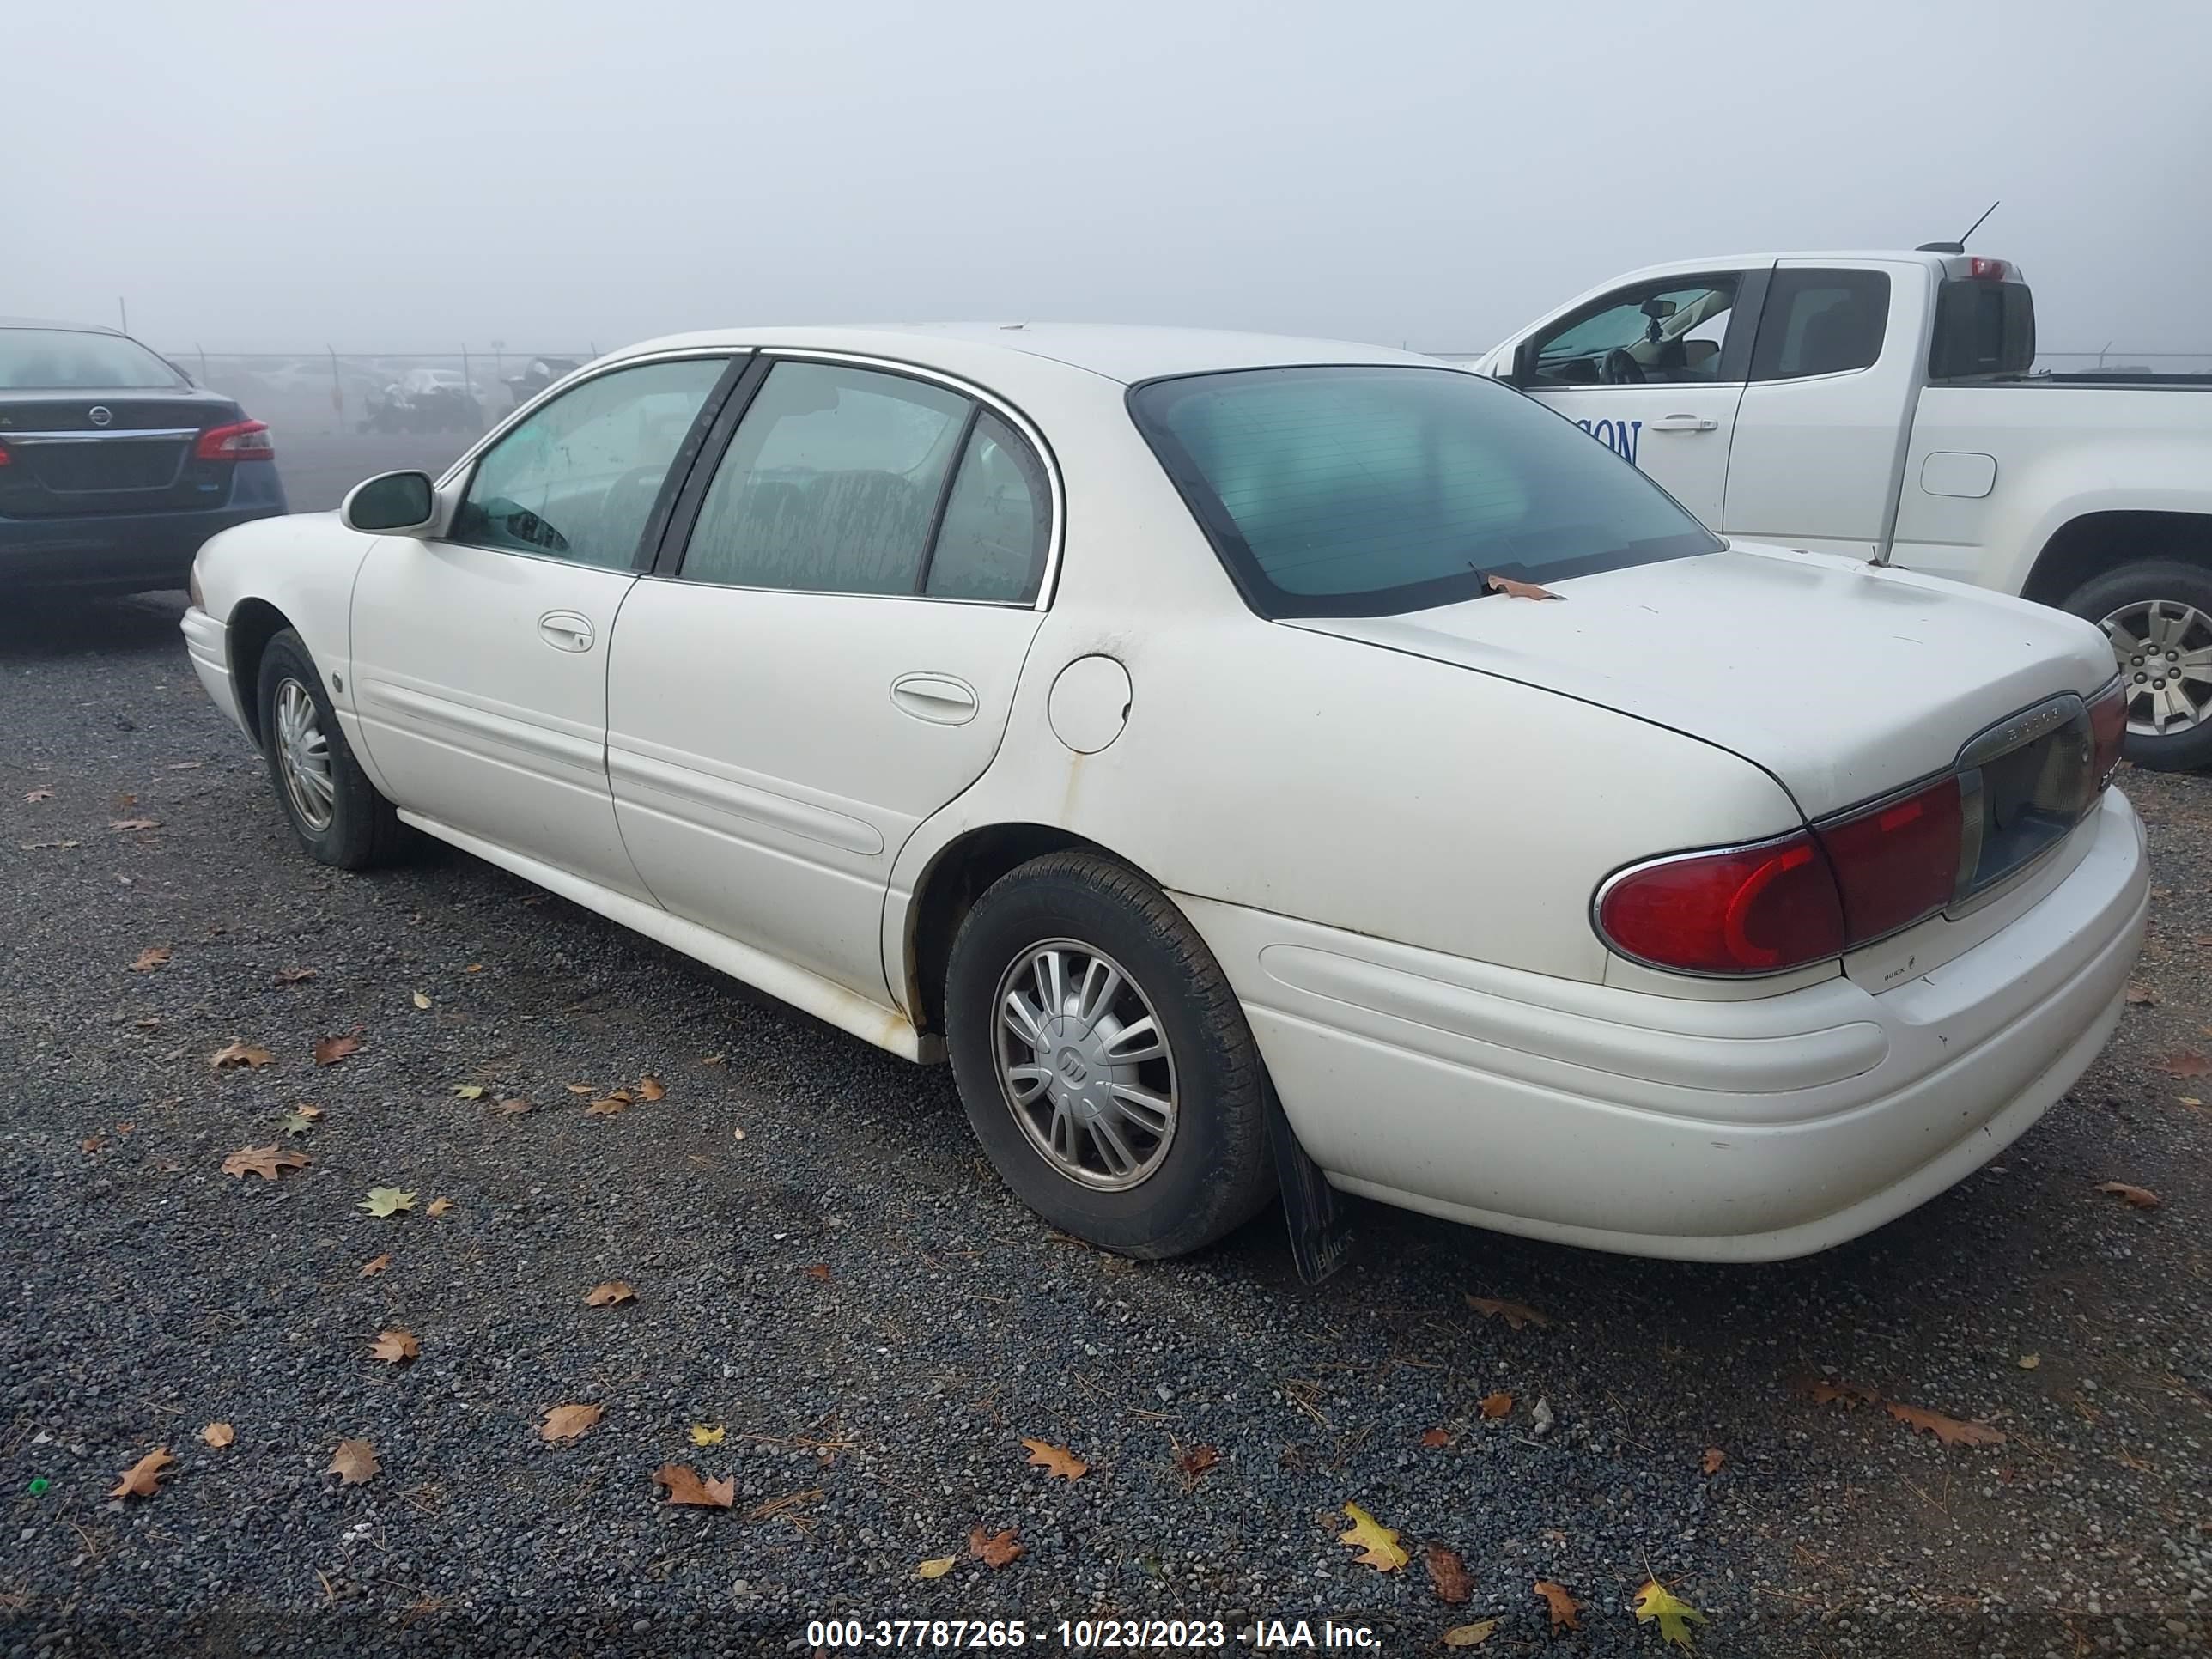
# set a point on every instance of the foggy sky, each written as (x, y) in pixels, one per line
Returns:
(550, 174)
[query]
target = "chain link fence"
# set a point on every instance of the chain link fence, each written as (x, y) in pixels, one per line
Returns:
(325, 393)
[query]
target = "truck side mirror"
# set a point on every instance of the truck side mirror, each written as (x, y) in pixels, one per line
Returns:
(1524, 365)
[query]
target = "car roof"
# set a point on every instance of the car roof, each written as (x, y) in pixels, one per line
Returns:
(72, 328)
(1123, 352)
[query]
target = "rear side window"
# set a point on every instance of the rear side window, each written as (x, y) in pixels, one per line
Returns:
(1982, 328)
(70, 359)
(1820, 322)
(997, 519)
(1367, 491)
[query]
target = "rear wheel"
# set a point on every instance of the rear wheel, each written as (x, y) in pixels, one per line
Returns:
(1105, 1062)
(336, 811)
(2157, 616)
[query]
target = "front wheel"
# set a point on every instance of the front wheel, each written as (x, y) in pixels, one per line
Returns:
(2157, 616)
(1105, 1064)
(336, 811)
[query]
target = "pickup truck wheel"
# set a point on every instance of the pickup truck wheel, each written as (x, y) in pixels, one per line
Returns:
(336, 811)
(1105, 1064)
(2157, 616)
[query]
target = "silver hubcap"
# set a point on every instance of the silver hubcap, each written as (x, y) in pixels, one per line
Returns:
(1084, 1065)
(2164, 650)
(305, 753)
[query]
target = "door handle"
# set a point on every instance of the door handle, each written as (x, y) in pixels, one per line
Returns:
(565, 630)
(937, 698)
(1682, 424)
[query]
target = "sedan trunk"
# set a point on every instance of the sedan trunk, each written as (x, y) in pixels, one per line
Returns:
(69, 454)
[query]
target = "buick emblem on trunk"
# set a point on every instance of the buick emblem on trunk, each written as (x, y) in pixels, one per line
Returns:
(100, 414)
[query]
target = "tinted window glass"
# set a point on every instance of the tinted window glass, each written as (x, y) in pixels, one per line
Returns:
(1364, 491)
(1982, 328)
(63, 360)
(579, 478)
(830, 483)
(1667, 335)
(1820, 322)
(997, 521)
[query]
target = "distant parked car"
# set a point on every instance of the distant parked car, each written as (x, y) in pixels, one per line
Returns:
(541, 373)
(115, 467)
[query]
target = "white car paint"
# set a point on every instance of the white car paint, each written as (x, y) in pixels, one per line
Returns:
(1388, 829)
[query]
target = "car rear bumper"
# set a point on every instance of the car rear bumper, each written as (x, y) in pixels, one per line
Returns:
(1701, 1129)
(120, 552)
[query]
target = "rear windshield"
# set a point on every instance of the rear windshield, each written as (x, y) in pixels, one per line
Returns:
(1369, 490)
(1982, 328)
(67, 360)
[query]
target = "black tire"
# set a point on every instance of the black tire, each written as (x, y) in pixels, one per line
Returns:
(1218, 1170)
(363, 828)
(2134, 584)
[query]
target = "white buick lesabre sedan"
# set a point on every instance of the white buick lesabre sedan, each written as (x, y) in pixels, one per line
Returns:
(1149, 722)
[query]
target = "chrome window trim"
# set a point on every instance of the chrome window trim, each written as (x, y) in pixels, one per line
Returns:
(99, 437)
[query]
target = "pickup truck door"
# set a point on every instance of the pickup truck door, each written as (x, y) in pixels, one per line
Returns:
(1653, 370)
(1821, 432)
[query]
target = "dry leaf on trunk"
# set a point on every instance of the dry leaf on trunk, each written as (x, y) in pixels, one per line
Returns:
(150, 958)
(685, 1486)
(1566, 1612)
(2140, 1197)
(218, 1435)
(267, 1162)
(353, 1462)
(1378, 1544)
(375, 1265)
(1448, 1574)
(993, 1551)
(142, 1479)
(234, 1055)
(1056, 1460)
(1711, 1462)
(394, 1347)
(567, 1422)
(606, 1295)
(650, 1087)
(1497, 1405)
(1513, 590)
(1513, 1313)
(1949, 1430)
(330, 1051)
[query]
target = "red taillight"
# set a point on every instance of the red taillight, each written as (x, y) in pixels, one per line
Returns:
(1988, 270)
(244, 441)
(4, 456)
(1897, 862)
(2108, 725)
(1744, 910)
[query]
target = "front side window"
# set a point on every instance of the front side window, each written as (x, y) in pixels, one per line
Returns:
(1371, 490)
(578, 479)
(76, 360)
(831, 483)
(1820, 322)
(1667, 334)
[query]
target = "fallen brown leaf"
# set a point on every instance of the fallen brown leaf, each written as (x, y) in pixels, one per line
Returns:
(218, 1435)
(1495, 1405)
(267, 1162)
(650, 1087)
(818, 1270)
(375, 1265)
(1513, 1313)
(37, 795)
(1433, 1438)
(235, 1053)
(394, 1347)
(993, 1551)
(330, 1051)
(1711, 1462)
(1448, 1573)
(1821, 1392)
(2140, 1197)
(353, 1462)
(473, 967)
(293, 975)
(606, 1295)
(1056, 1460)
(1949, 1430)
(685, 1486)
(438, 1206)
(2187, 1063)
(515, 1106)
(142, 1478)
(581, 1089)
(135, 824)
(91, 1143)
(1471, 1635)
(567, 1422)
(608, 1106)
(1566, 1612)
(150, 958)
(2142, 996)
(1194, 1461)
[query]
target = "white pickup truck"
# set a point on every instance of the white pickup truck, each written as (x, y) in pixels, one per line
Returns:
(1880, 406)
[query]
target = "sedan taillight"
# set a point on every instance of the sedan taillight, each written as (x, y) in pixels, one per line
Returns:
(1759, 910)
(242, 440)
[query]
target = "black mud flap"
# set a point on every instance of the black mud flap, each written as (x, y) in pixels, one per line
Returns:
(1320, 1231)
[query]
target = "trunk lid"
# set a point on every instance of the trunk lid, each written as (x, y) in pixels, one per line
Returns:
(77, 453)
(1844, 681)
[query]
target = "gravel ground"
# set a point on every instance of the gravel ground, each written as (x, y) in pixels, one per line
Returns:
(876, 1325)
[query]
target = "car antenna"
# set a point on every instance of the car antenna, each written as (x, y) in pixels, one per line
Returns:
(1959, 246)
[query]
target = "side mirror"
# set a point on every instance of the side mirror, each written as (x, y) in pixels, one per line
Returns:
(1524, 364)
(394, 504)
